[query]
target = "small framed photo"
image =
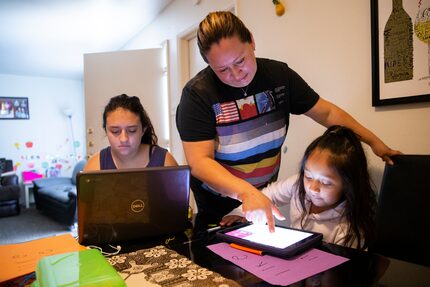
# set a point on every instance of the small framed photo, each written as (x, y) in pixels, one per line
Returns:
(14, 108)
(400, 51)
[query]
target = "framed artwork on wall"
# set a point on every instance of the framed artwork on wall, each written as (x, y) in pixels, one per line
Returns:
(14, 108)
(400, 31)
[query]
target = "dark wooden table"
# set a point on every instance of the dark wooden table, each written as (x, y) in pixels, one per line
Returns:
(363, 268)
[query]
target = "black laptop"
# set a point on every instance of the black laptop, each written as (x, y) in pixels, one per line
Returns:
(122, 205)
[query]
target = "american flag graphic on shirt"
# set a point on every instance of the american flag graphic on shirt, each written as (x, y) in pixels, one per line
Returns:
(226, 112)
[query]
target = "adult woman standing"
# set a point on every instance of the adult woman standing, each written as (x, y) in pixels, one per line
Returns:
(233, 118)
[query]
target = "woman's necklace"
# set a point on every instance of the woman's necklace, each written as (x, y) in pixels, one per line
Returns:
(245, 92)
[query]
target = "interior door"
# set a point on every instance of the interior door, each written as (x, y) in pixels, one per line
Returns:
(196, 61)
(138, 73)
(196, 64)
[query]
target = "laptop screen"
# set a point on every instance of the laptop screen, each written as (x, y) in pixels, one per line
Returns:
(121, 205)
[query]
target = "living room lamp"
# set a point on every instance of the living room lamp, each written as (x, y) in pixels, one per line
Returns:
(69, 113)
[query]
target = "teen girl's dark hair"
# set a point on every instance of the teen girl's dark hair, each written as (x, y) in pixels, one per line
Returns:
(219, 25)
(348, 158)
(133, 105)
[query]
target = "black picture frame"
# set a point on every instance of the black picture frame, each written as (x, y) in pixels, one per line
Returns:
(14, 108)
(386, 99)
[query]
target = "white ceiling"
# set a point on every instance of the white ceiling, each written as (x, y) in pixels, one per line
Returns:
(49, 37)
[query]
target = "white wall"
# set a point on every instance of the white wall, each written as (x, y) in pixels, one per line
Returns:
(44, 142)
(328, 44)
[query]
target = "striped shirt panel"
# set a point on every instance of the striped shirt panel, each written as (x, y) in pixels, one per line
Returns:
(243, 127)
(260, 176)
(239, 151)
(247, 168)
(257, 131)
(255, 169)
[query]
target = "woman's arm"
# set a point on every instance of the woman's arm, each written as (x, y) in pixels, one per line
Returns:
(328, 114)
(200, 157)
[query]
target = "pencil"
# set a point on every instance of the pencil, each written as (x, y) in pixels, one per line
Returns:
(247, 249)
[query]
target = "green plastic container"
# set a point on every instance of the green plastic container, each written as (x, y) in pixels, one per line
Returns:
(81, 268)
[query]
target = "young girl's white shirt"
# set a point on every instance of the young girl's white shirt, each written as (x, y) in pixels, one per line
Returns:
(329, 222)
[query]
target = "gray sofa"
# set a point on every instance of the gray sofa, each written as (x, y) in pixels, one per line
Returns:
(56, 196)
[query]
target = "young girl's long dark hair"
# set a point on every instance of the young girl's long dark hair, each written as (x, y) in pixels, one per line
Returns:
(133, 105)
(347, 157)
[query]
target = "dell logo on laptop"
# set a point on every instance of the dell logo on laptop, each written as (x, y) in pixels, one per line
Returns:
(137, 205)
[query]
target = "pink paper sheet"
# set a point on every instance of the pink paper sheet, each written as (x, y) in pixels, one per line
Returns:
(279, 271)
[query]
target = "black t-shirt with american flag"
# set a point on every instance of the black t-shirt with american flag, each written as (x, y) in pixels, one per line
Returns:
(249, 124)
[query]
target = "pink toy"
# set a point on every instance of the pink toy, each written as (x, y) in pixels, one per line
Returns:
(29, 176)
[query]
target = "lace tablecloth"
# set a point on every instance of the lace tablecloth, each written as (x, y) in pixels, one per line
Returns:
(160, 266)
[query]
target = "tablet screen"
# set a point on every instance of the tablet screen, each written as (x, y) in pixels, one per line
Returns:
(281, 238)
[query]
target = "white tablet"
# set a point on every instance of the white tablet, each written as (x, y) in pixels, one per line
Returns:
(284, 242)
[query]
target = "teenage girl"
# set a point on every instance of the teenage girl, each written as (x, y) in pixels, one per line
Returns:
(132, 140)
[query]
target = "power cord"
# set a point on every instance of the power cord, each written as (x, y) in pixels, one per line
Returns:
(167, 241)
(105, 253)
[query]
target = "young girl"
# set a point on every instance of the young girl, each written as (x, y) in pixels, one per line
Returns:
(132, 140)
(332, 194)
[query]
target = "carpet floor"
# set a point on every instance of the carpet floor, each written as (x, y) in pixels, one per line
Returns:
(30, 224)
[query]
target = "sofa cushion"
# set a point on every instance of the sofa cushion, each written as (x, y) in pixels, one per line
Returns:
(59, 192)
(10, 192)
(52, 181)
(9, 208)
(9, 180)
(78, 167)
